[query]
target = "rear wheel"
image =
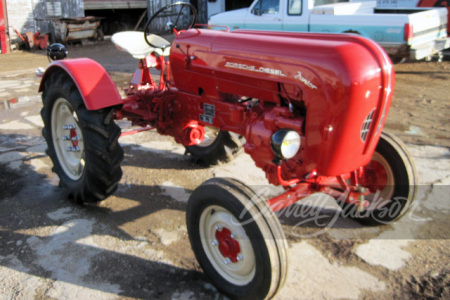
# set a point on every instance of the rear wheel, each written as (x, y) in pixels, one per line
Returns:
(82, 144)
(237, 239)
(217, 147)
(391, 179)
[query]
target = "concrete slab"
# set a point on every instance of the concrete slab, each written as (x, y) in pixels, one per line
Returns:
(333, 281)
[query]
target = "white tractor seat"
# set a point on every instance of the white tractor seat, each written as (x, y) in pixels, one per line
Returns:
(134, 43)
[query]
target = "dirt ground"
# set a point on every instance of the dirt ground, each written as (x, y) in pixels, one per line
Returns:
(134, 245)
(420, 110)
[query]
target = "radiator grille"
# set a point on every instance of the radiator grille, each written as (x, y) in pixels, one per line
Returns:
(366, 125)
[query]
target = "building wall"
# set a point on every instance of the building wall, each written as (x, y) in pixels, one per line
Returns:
(202, 11)
(24, 15)
(28, 15)
(21, 15)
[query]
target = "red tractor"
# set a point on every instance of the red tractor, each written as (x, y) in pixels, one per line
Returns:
(308, 108)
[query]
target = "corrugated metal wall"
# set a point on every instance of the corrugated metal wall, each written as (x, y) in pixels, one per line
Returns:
(159, 24)
(114, 4)
(155, 5)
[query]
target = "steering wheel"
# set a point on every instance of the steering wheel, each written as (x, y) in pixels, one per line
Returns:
(168, 12)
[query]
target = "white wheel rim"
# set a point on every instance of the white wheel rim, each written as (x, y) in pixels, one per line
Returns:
(211, 134)
(215, 218)
(67, 139)
(382, 197)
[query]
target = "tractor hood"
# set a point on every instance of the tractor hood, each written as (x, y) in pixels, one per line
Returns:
(343, 82)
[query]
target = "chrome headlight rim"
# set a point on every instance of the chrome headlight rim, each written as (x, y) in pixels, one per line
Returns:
(285, 143)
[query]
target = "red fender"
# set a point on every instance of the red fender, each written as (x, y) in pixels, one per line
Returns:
(96, 87)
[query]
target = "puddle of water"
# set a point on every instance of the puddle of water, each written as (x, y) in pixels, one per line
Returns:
(4, 105)
(414, 130)
(18, 102)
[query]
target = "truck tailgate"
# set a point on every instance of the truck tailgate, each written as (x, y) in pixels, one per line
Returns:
(427, 25)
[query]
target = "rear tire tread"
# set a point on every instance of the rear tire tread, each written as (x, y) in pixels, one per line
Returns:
(103, 153)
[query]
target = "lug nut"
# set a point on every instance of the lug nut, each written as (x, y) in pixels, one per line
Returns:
(215, 243)
(69, 126)
(219, 227)
(73, 149)
(69, 138)
(239, 257)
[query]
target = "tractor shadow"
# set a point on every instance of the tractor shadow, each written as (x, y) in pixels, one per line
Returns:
(59, 247)
(86, 250)
(311, 221)
(157, 154)
(149, 158)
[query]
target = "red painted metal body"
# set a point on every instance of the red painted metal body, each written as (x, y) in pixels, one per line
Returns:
(333, 83)
(96, 87)
(4, 42)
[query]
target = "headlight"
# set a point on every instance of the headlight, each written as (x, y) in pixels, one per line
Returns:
(285, 143)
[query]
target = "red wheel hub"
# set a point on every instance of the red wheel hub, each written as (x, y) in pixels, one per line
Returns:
(74, 137)
(374, 176)
(228, 245)
(196, 136)
(194, 133)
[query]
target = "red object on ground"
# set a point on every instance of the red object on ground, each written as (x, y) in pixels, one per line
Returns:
(41, 40)
(4, 43)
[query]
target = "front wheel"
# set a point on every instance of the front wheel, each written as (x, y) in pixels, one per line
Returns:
(82, 144)
(391, 179)
(237, 239)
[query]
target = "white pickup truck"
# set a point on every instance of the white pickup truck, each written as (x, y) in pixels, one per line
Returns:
(414, 33)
